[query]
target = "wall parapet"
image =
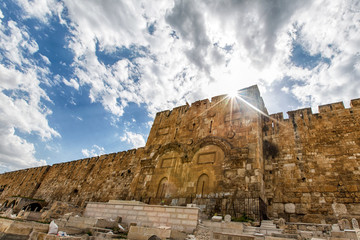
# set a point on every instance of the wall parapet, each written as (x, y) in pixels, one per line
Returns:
(323, 109)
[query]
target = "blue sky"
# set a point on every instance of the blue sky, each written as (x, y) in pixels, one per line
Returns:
(83, 78)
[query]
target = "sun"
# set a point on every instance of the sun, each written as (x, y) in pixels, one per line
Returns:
(233, 93)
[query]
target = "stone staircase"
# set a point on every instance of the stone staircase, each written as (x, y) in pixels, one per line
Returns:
(250, 230)
(267, 224)
(268, 228)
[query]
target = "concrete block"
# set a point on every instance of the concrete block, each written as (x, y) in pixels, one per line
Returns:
(189, 222)
(193, 217)
(191, 211)
(170, 210)
(144, 233)
(216, 218)
(138, 208)
(163, 220)
(174, 221)
(152, 214)
(164, 215)
(183, 216)
(142, 219)
(132, 212)
(141, 213)
(159, 209)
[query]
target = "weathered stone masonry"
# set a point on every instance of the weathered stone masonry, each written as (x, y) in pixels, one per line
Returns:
(226, 157)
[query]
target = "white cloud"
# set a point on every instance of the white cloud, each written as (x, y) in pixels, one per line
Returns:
(22, 108)
(45, 59)
(285, 89)
(136, 140)
(93, 152)
(41, 9)
(72, 83)
(204, 48)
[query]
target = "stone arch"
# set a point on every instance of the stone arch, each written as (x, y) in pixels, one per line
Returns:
(175, 147)
(5, 203)
(202, 186)
(34, 207)
(211, 140)
(11, 204)
(161, 190)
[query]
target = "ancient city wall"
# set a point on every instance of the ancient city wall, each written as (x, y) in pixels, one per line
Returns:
(313, 163)
(226, 156)
(23, 182)
(95, 179)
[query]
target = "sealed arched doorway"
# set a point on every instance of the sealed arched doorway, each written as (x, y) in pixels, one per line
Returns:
(202, 186)
(160, 193)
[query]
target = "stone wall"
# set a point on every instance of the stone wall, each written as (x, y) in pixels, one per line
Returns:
(22, 183)
(222, 154)
(313, 163)
(95, 179)
(178, 218)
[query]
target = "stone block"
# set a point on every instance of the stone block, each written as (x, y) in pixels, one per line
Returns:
(19, 228)
(174, 221)
(339, 209)
(278, 207)
(162, 214)
(182, 216)
(227, 218)
(160, 209)
(104, 223)
(189, 222)
(192, 211)
(290, 208)
(216, 218)
(170, 210)
(163, 220)
(152, 214)
(193, 217)
(144, 233)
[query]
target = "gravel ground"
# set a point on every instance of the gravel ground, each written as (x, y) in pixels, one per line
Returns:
(201, 233)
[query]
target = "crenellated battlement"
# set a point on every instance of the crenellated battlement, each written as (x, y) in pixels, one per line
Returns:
(323, 109)
(331, 107)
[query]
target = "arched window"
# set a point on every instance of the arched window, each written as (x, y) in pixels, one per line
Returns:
(202, 186)
(162, 188)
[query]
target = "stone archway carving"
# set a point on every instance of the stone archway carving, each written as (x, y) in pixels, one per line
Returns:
(211, 140)
(161, 191)
(172, 147)
(202, 186)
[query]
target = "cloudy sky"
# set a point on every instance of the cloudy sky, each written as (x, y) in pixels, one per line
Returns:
(82, 78)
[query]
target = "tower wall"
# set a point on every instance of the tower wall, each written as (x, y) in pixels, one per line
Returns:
(312, 163)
